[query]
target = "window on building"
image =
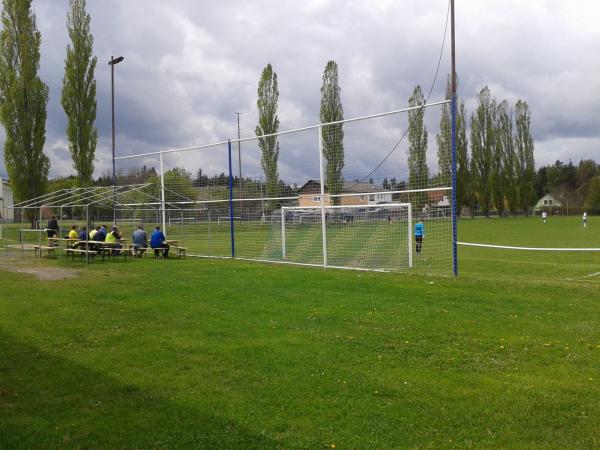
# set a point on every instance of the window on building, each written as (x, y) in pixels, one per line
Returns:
(371, 198)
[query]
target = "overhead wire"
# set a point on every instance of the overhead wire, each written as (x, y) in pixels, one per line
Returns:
(437, 70)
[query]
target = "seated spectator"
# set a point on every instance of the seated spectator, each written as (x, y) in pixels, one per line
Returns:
(114, 237)
(83, 236)
(157, 242)
(140, 241)
(73, 236)
(93, 233)
(101, 234)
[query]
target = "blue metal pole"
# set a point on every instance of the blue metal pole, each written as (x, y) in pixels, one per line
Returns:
(454, 224)
(231, 221)
(453, 108)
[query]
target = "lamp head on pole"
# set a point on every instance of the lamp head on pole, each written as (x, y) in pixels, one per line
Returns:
(114, 61)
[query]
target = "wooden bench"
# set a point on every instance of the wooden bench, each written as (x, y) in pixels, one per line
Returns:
(50, 249)
(111, 251)
(180, 252)
(80, 252)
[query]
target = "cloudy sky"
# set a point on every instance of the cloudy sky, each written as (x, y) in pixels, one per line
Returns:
(189, 65)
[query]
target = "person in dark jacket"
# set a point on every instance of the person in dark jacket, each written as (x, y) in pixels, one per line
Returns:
(52, 229)
(157, 242)
(101, 234)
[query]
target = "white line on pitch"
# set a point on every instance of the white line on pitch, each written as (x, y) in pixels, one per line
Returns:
(592, 274)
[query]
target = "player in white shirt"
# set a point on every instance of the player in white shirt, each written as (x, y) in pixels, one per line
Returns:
(584, 219)
(544, 216)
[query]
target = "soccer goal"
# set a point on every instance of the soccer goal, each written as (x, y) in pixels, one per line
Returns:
(377, 237)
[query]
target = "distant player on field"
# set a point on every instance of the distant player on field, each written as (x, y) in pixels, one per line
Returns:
(584, 219)
(544, 216)
(419, 235)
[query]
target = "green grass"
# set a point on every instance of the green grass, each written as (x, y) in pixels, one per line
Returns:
(227, 354)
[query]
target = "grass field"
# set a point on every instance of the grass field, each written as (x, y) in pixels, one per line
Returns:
(228, 354)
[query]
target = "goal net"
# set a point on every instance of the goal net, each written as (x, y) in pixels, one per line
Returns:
(358, 236)
(339, 193)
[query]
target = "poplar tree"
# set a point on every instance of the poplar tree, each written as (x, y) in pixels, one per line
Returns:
(332, 135)
(463, 182)
(498, 181)
(23, 100)
(418, 173)
(482, 147)
(79, 92)
(268, 123)
(505, 140)
(524, 149)
(444, 139)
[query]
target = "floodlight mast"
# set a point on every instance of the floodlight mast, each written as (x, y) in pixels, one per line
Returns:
(112, 63)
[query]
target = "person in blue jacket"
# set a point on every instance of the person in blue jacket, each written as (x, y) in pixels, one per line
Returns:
(157, 242)
(419, 235)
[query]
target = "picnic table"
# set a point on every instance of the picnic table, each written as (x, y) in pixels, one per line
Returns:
(180, 251)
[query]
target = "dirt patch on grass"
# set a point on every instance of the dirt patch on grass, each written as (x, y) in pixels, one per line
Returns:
(42, 272)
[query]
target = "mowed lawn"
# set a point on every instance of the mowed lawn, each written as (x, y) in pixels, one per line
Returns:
(226, 354)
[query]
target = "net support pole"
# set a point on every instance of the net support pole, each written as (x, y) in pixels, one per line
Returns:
(409, 238)
(283, 232)
(162, 194)
(453, 138)
(87, 234)
(322, 183)
(231, 211)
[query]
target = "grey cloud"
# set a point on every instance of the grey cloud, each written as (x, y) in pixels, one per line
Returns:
(189, 65)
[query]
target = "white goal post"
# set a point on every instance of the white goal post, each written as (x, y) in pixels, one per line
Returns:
(350, 215)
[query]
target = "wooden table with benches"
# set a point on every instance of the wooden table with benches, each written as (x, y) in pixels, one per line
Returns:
(180, 251)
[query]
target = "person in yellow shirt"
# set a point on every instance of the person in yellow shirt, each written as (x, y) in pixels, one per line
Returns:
(114, 237)
(73, 236)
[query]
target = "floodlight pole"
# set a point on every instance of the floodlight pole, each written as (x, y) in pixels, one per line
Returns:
(453, 108)
(112, 63)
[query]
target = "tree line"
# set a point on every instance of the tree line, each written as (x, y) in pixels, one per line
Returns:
(495, 148)
(573, 185)
(495, 165)
(24, 97)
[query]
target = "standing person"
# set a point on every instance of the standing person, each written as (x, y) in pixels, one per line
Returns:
(140, 241)
(544, 215)
(157, 242)
(584, 219)
(52, 229)
(419, 235)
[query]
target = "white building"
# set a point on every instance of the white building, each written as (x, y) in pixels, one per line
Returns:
(6, 200)
(547, 203)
